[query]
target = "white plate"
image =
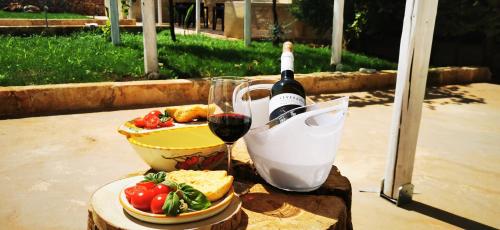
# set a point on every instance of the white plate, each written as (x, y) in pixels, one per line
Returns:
(216, 207)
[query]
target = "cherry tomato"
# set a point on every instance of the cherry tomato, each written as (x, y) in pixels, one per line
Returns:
(152, 122)
(130, 191)
(163, 124)
(142, 199)
(155, 113)
(146, 184)
(139, 122)
(157, 203)
(170, 122)
(160, 188)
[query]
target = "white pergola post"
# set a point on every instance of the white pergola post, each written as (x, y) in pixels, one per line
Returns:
(115, 22)
(413, 66)
(197, 14)
(338, 25)
(247, 23)
(160, 12)
(149, 33)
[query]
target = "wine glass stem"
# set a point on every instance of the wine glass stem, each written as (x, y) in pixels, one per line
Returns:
(229, 157)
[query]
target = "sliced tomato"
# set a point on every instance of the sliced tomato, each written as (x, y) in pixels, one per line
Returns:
(160, 188)
(139, 122)
(146, 184)
(152, 122)
(157, 203)
(142, 199)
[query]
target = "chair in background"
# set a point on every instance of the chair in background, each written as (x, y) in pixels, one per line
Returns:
(218, 12)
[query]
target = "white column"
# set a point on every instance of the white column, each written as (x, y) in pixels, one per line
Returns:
(149, 32)
(338, 24)
(160, 13)
(115, 22)
(413, 65)
(197, 15)
(247, 23)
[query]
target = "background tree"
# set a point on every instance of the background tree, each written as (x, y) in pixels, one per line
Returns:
(276, 30)
(171, 19)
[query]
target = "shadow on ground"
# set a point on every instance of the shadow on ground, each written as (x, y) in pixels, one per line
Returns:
(445, 216)
(456, 94)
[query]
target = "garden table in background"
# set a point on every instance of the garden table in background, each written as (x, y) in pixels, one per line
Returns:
(265, 207)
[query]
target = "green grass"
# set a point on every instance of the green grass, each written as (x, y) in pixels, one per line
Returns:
(41, 15)
(88, 57)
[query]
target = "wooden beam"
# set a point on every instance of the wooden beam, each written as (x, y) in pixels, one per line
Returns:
(197, 14)
(338, 25)
(413, 65)
(115, 22)
(149, 36)
(160, 12)
(247, 23)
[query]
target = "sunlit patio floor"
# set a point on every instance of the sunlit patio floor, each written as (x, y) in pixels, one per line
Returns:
(50, 165)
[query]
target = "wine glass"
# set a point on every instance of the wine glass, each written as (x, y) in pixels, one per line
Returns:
(229, 115)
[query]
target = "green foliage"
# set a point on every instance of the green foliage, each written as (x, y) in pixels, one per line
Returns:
(384, 18)
(41, 15)
(189, 15)
(317, 13)
(88, 57)
(83, 57)
(460, 17)
(125, 6)
(106, 30)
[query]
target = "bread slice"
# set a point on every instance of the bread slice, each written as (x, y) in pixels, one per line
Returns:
(213, 184)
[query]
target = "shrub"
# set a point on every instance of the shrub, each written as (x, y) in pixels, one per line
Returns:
(384, 18)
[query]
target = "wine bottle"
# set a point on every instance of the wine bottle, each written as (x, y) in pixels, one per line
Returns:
(287, 93)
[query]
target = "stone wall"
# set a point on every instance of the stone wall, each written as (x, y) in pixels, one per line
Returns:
(62, 98)
(85, 7)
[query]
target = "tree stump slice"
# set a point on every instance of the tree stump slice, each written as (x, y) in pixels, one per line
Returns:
(106, 213)
(266, 207)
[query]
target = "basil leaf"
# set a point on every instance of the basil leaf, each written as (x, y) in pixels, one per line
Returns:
(164, 117)
(195, 199)
(155, 177)
(172, 205)
(172, 185)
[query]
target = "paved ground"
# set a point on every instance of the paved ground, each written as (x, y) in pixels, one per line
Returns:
(49, 166)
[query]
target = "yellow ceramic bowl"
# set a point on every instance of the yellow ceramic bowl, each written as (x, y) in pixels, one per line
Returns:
(187, 147)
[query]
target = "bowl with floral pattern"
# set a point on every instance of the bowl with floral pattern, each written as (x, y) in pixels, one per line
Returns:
(179, 147)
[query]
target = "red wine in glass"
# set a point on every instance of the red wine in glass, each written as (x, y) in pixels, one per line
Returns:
(229, 126)
(229, 117)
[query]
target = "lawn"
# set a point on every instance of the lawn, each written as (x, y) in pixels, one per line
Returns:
(41, 15)
(88, 57)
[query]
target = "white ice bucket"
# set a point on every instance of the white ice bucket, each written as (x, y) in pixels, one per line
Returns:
(297, 154)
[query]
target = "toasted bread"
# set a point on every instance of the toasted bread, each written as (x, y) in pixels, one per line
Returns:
(213, 184)
(187, 113)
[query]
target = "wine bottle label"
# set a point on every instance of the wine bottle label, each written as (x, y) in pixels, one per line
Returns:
(285, 99)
